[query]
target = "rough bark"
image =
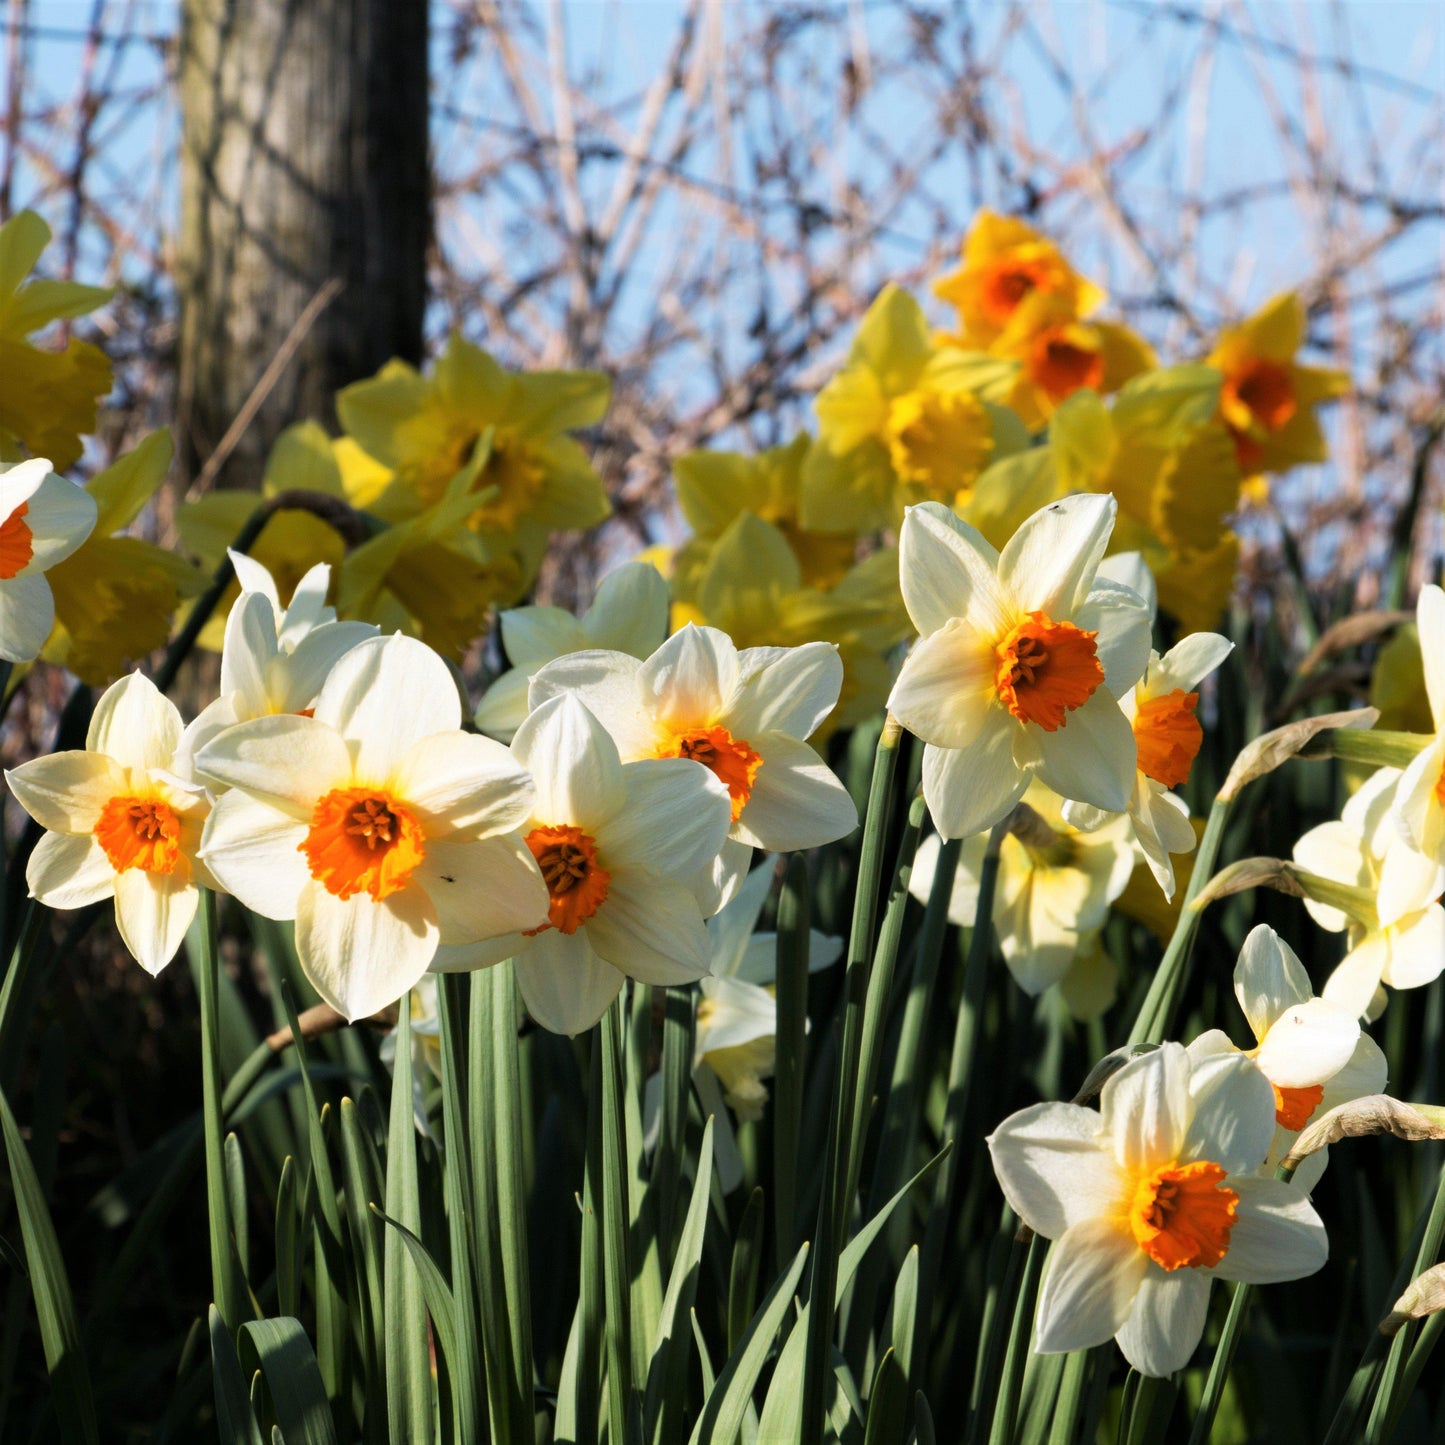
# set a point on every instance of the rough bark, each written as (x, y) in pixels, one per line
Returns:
(304, 158)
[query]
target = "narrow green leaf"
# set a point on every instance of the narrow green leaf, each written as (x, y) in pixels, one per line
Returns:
(746, 1267)
(678, 1022)
(362, 1191)
(905, 1312)
(288, 1260)
(616, 1224)
(54, 1305)
(887, 1403)
(408, 1372)
(234, 1418)
(285, 1357)
(794, 922)
(236, 1203)
(434, 1289)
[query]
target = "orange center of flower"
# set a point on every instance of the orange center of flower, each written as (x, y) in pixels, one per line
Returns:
(576, 882)
(1440, 788)
(1293, 1107)
(17, 544)
(1181, 1215)
(730, 759)
(938, 440)
(1168, 736)
(1046, 669)
(1062, 367)
(362, 841)
(1007, 282)
(1264, 391)
(142, 833)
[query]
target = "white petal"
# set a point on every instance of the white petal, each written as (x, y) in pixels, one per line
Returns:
(135, 724)
(27, 613)
(947, 570)
(1129, 569)
(1276, 1235)
(651, 929)
(1094, 1272)
(69, 871)
(468, 957)
(785, 690)
(1188, 663)
(255, 577)
(946, 692)
(574, 765)
(732, 1013)
(1308, 1044)
(760, 959)
(1145, 1108)
(361, 955)
(504, 705)
(688, 680)
(1419, 813)
(717, 885)
(729, 931)
(19, 482)
(1167, 1322)
(459, 782)
(606, 683)
(1091, 758)
(971, 789)
(1430, 620)
(1049, 563)
(303, 672)
(796, 801)
(65, 792)
(60, 517)
(564, 984)
(1268, 979)
(1054, 1165)
(675, 818)
(254, 852)
(483, 890)
(307, 609)
(1232, 1115)
(1416, 949)
(1356, 980)
(1123, 624)
(630, 611)
(1333, 851)
(1409, 881)
(288, 761)
(153, 911)
(250, 646)
(383, 696)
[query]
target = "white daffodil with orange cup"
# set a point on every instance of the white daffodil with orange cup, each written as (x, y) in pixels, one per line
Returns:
(1150, 1199)
(1021, 659)
(745, 716)
(43, 519)
(377, 824)
(620, 846)
(121, 822)
(1420, 800)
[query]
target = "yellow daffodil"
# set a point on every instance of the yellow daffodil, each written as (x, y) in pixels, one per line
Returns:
(1021, 659)
(1420, 802)
(507, 434)
(1055, 885)
(120, 822)
(1149, 1200)
(629, 614)
(620, 846)
(49, 398)
(714, 487)
(1397, 685)
(903, 422)
(1268, 399)
(116, 596)
(1005, 262)
(376, 823)
(45, 519)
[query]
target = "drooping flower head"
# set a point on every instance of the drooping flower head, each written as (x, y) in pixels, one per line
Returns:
(380, 826)
(1149, 1200)
(1021, 658)
(43, 519)
(121, 822)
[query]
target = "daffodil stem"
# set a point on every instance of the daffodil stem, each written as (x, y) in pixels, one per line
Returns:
(616, 1219)
(1229, 1338)
(185, 640)
(1072, 1390)
(1007, 1400)
(1156, 1015)
(833, 1201)
(794, 919)
(224, 1281)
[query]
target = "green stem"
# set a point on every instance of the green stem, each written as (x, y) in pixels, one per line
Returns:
(225, 1285)
(616, 1220)
(1006, 1410)
(1219, 1369)
(1072, 1391)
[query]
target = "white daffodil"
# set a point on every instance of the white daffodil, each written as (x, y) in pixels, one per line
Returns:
(743, 715)
(1160, 708)
(1303, 1044)
(43, 519)
(1021, 659)
(1420, 802)
(121, 822)
(619, 845)
(1390, 904)
(629, 614)
(274, 660)
(1055, 885)
(1149, 1200)
(737, 1013)
(380, 826)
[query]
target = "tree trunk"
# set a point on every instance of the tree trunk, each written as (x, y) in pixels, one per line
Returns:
(304, 158)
